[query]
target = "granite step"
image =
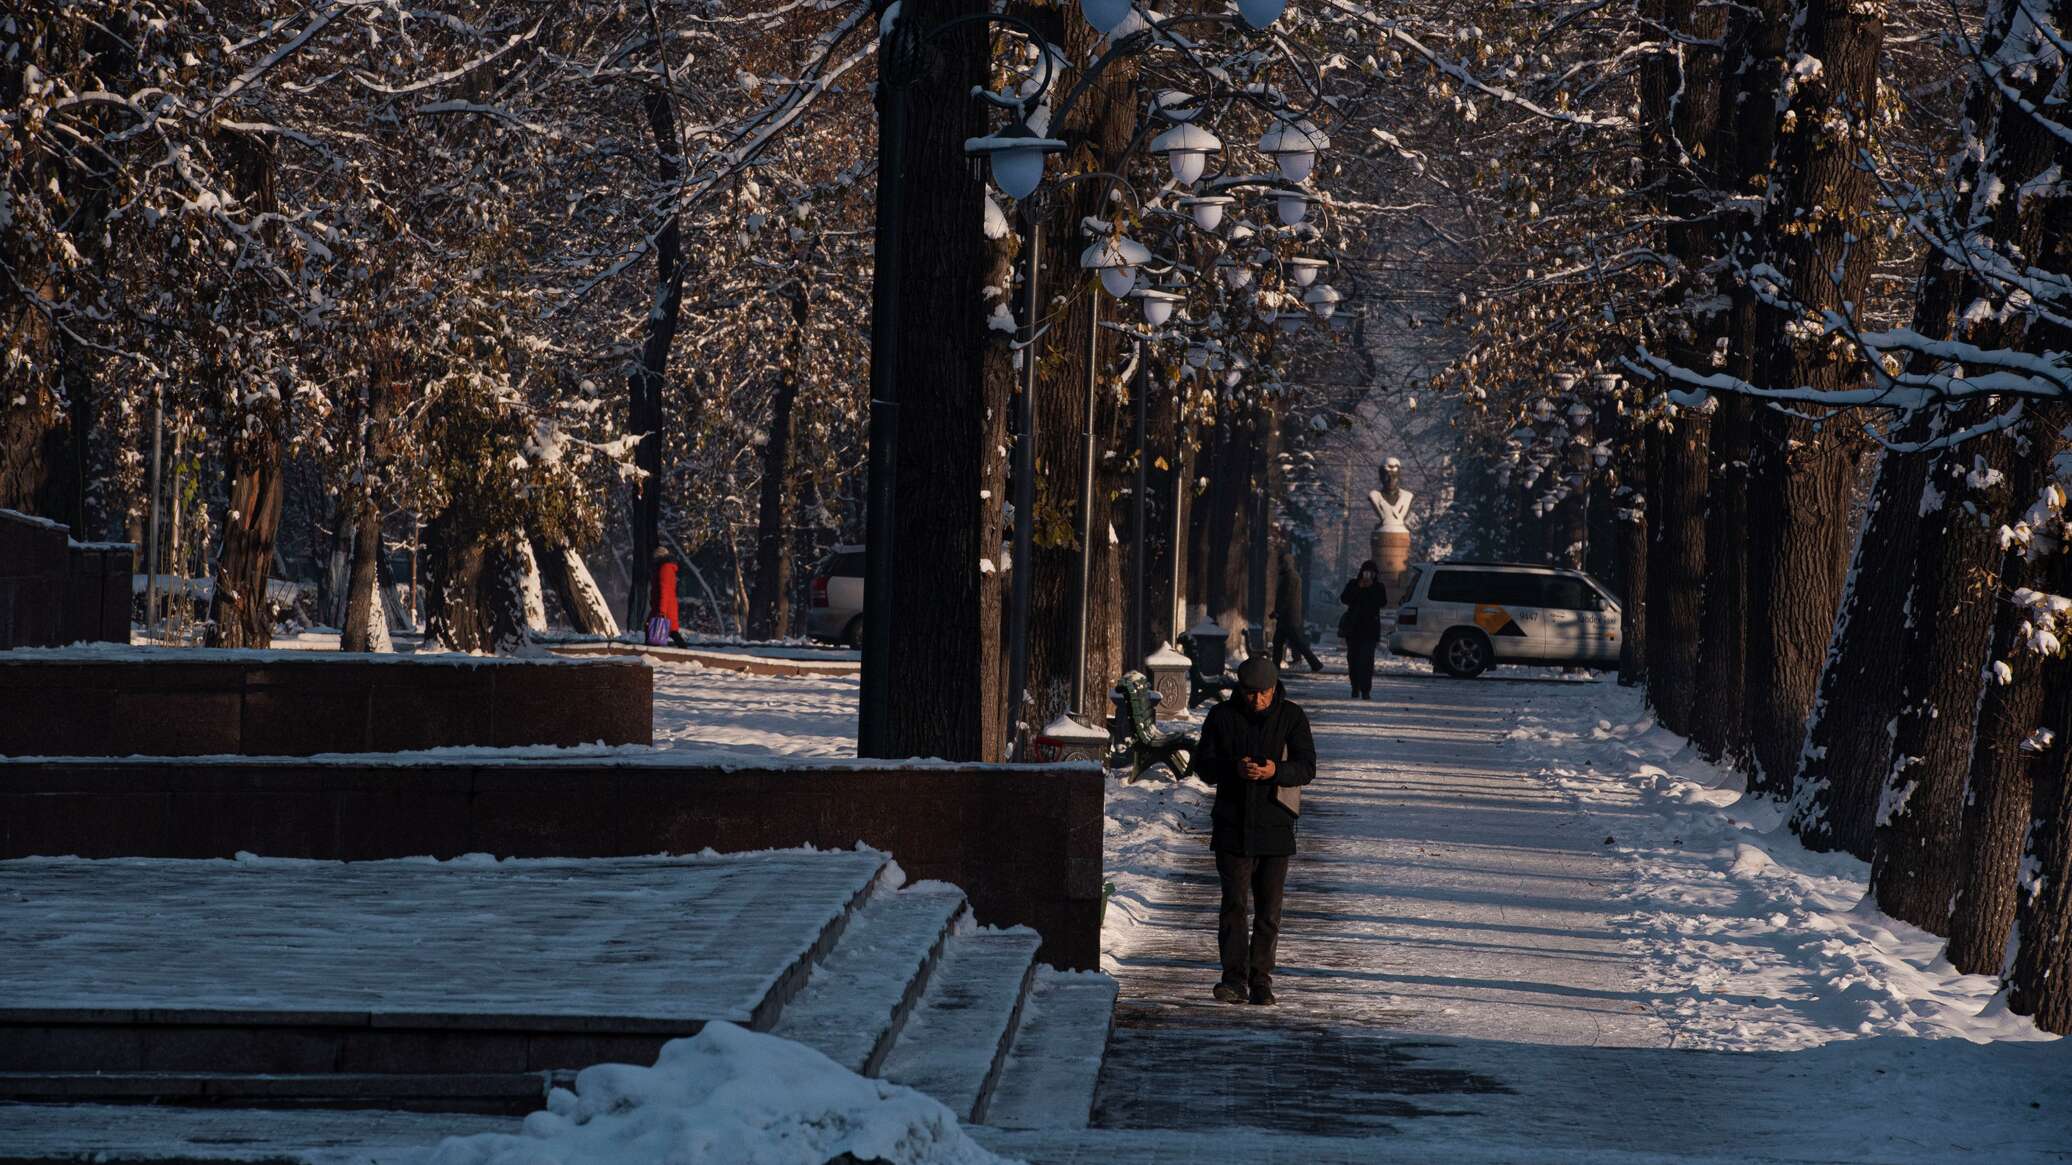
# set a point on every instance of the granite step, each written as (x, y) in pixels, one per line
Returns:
(954, 1042)
(1055, 1062)
(858, 997)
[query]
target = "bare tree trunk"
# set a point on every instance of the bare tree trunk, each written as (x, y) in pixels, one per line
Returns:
(1741, 146)
(770, 609)
(1848, 750)
(453, 573)
(644, 386)
(1801, 476)
(564, 570)
(239, 615)
(362, 603)
(1917, 860)
(1676, 568)
(943, 611)
(1997, 794)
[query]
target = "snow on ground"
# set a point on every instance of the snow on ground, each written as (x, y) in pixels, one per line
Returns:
(1750, 940)
(711, 710)
(727, 1096)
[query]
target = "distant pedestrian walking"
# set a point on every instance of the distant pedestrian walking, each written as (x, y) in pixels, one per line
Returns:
(662, 625)
(1289, 635)
(1256, 749)
(1360, 626)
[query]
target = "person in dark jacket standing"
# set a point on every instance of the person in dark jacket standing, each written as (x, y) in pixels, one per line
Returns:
(1256, 749)
(1360, 627)
(1288, 633)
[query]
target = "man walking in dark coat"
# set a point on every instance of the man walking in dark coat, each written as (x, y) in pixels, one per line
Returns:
(1288, 632)
(1256, 749)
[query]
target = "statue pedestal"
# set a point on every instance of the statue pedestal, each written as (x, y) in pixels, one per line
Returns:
(1391, 552)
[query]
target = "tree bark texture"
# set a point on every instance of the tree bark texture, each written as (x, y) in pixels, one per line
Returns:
(1801, 476)
(1848, 750)
(1740, 146)
(1676, 569)
(769, 614)
(1916, 859)
(644, 385)
(1996, 798)
(944, 606)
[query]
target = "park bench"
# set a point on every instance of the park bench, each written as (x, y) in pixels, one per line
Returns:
(1134, 736)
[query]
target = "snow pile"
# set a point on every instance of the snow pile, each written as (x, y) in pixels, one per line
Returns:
(1749, 940)
(727, 1096)
(1152, 827)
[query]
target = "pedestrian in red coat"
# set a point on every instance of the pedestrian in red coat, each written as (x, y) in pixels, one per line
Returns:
(663, 625)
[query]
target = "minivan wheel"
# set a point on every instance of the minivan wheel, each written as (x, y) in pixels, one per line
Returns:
(1463, 653)
(852, 635)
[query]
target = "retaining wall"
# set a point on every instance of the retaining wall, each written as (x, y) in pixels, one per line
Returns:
(138, 701)
(1024, 842)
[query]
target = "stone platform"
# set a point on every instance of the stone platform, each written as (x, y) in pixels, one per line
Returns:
(272, 966)
(473, 986)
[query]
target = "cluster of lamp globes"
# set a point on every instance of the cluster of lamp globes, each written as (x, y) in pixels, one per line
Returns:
(1015, 155)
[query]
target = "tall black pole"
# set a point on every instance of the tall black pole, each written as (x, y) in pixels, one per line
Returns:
(1082, 605)
(874, 703)
(1139, 533)
(1024, 498)
(1262, 513)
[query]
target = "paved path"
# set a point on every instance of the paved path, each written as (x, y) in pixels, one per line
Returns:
(1453, 982)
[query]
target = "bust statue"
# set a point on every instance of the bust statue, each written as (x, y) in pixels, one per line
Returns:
(1392, 502)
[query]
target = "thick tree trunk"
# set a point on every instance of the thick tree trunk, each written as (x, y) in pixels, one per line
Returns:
(769, 613)
(239, 615)
(1917, 860)
(1997, 794)
(581, 599)
(943, 610)
(1741, 147)
(2039, 965)
(1676, 569)
(1100, 128)
(362, 599)
(1717, 720)
(1632, 535)
(1848, 749)
(644, 386)
(453, 584)
(1801, 477)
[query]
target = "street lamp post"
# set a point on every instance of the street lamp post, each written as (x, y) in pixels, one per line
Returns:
(1139, 425)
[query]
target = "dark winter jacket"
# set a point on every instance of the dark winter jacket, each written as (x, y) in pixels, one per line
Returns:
(1248, 818)
(1363, 607)
(1287, 599)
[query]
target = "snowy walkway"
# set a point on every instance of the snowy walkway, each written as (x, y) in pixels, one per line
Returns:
(1461, 972)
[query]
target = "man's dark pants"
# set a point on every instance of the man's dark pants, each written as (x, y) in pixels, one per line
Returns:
(1287, 636)
(1250, 885)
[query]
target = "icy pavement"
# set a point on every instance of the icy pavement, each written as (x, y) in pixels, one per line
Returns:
(1464, 972)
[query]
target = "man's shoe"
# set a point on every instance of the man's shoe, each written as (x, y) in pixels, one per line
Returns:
(1263, 996)
(1315, 666)
(1225, 993)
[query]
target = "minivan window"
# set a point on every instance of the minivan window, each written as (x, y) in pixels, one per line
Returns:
(847, 564)
(1566, 594)
(1486, 586)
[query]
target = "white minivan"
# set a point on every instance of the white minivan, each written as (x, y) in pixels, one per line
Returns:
(1468, 616)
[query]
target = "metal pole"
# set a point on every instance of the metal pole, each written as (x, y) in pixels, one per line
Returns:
(151, 551)
(1139, 534)
(874, 703)
(1083, 604)
(1262, 509)
(1179, 566)
(1024, 500)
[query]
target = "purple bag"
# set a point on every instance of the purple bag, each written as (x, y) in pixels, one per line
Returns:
(657, 631)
